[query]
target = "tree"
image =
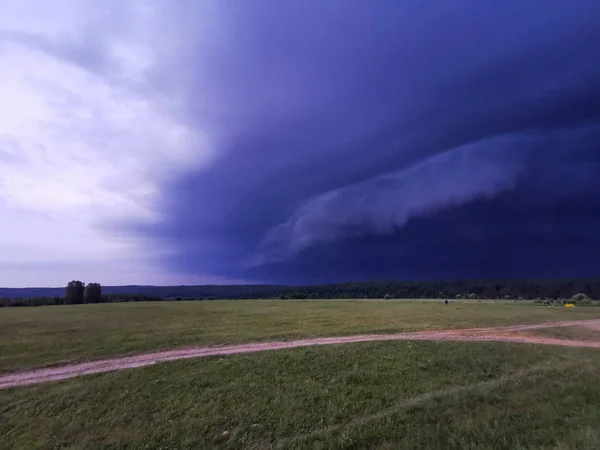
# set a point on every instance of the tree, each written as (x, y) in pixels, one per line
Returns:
(74, 292)
(93, 293)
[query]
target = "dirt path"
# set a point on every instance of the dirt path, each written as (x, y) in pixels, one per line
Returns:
(473, 334)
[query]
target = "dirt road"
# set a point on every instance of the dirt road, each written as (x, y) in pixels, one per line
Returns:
(504, 334)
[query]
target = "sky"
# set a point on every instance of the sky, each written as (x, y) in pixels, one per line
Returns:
(216, 142)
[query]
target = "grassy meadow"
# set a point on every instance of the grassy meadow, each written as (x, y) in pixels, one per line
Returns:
(584, 333)
(409, 395)
(51, 335)
(382, 395)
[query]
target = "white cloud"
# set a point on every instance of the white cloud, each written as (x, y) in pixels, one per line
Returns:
(83, 140)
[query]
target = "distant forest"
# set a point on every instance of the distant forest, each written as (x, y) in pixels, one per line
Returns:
(477, 289)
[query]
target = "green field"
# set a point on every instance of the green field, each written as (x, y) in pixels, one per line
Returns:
(573, 333)
(35, 337)
(387, 395)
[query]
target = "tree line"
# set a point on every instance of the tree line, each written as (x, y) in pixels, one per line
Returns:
(77, 292)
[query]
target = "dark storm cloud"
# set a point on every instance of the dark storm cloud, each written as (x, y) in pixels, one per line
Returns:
(392, 140)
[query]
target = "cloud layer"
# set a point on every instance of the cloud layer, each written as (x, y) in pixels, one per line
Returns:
(84, 139)
(302, 142)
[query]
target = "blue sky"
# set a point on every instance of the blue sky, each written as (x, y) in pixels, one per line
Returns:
(186, 142)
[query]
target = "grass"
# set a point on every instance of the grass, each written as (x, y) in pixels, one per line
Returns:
(424, 395)
(43, 336)
(581, 333)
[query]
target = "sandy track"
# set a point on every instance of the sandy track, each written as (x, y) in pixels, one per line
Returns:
(129, 362)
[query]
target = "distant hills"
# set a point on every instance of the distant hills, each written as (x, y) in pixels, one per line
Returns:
(208, 291)
(486, 289)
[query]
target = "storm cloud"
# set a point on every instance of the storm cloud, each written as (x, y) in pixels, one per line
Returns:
(349, 140)
(401, 140)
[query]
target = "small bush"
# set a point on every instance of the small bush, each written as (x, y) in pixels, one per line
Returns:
(40, 301)
(580, 298)
(124, 298)
(19, 301)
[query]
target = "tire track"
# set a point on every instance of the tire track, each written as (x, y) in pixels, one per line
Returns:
(497, 334)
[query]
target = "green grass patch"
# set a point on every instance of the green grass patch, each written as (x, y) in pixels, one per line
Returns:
(35, 337)
(371, 395)
(581, 333)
